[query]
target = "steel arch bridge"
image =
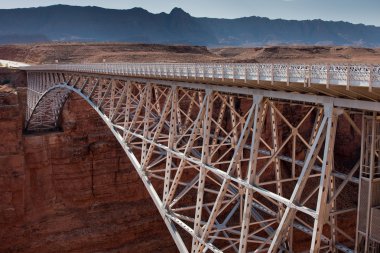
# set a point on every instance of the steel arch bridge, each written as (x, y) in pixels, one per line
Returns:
(228, 166)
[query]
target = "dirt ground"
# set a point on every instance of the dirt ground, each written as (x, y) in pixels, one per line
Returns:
(126, 52)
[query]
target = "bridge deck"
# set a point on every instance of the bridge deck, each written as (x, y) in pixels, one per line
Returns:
(358, 82)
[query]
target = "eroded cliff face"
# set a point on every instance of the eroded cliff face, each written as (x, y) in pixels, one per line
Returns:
(12, 165)
(72, 191)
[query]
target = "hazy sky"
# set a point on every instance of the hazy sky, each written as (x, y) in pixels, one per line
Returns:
(355, 11)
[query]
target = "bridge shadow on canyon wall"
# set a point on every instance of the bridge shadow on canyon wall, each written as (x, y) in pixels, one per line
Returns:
(73, 191)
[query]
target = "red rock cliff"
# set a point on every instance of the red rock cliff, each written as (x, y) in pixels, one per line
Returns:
(72, 191)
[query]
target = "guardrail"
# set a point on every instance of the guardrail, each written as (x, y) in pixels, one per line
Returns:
(328, 74)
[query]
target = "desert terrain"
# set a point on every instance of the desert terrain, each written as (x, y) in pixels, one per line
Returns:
(76, 191)
(124, 52)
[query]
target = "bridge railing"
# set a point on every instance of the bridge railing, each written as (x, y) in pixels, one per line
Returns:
(326, 74)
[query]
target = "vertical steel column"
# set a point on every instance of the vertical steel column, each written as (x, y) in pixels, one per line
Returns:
(128, 105)
(112, 99)
(277, 162)
(322, 207)
(147, 122)
(205, 158)
(333, 218)
(259, 119)
(171, 143)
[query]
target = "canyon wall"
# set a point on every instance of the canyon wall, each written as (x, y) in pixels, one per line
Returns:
(71, 191)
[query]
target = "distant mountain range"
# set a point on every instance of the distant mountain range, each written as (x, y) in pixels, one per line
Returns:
(94, 24)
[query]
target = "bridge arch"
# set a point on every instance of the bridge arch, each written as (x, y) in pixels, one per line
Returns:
(48, 108)
(220, 167)
(46, 114)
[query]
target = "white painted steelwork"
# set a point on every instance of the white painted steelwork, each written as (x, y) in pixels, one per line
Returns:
(228, 165)
(325, 74)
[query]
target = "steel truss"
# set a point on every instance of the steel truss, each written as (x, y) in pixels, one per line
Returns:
(229, 169)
